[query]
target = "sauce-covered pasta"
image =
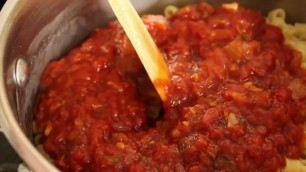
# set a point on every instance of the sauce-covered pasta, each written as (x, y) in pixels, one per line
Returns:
(236, 100)
(295, 35)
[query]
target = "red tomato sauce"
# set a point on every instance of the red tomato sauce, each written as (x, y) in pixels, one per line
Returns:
(236, 101)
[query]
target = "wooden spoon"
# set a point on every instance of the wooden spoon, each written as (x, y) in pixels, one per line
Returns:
(150, 56)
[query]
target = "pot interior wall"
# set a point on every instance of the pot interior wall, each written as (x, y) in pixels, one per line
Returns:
(41, 31)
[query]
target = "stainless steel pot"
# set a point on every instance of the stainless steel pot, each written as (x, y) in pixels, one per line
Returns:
(33, 32)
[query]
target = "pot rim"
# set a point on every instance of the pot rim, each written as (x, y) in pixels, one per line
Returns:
(10, 127)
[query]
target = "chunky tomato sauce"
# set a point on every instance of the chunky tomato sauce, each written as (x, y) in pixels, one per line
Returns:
(236, 101)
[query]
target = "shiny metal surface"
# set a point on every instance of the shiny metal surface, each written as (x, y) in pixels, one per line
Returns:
(39, 31)
(21, 72)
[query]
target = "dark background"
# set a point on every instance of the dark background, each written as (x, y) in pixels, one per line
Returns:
(2, 3)
(9, 160)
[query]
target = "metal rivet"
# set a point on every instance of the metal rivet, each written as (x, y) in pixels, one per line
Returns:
(21, 72)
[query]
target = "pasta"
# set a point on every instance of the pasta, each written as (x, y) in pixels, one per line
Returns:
(170, 10)
(89, 129)
(294, 166)
(295, 35)
(232, 6)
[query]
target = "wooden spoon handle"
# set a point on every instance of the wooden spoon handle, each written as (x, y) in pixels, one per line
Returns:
(149, 54)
